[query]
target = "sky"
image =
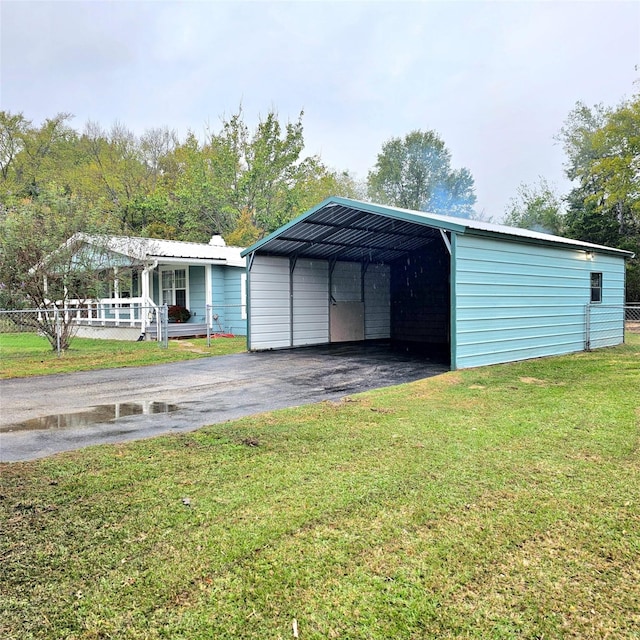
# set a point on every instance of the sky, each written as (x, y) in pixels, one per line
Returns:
(495, 79)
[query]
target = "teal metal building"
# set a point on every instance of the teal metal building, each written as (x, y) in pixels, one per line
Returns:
(468, 291)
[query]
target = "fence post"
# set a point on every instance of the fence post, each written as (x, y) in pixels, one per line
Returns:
(165, 326)
(587, 327)
(209, 311)
(56, 316)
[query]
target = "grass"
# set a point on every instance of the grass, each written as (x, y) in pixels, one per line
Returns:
(27, 354)
(500, 502)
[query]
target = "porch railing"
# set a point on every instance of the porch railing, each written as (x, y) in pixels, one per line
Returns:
(115, 312)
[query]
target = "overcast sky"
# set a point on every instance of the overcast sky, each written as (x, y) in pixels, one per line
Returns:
(496, 80)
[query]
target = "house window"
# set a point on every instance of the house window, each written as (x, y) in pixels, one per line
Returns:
(174, 287)
(596, 287)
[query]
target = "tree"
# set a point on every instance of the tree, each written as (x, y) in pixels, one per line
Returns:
(156, 145)
(33, 156)
(117, 170)
(415, 173)
(603, 151)
(13, 129)
(245, 233)
(37, 267)
(536, 207)
(237, 179)
(201, 200)
(264, 174)
(270, 177)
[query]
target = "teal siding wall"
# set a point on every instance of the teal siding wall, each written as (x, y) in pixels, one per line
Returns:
(197, 296)
(217, 297)
(226, 295)
(514, 300)
(236, 311)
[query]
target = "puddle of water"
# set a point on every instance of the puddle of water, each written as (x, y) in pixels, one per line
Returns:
(100, 413)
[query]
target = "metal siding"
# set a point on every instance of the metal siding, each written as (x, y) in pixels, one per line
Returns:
(234, 322)
(453, 345)
(516, 301)
(377, 302)
(311, 302)
(346, 282)
(269, 312)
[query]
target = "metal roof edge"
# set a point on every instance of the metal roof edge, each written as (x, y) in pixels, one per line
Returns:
(420, 217)
(551, 240)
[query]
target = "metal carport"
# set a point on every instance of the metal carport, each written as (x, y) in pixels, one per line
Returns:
(476, 292)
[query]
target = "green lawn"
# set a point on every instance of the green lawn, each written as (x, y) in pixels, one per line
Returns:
(27, 354)
(500, 502)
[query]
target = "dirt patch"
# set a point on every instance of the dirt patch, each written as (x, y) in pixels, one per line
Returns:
(185, 345)
(633, 327)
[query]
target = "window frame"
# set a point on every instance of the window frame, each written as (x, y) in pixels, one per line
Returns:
(596, 289)
(173, 288)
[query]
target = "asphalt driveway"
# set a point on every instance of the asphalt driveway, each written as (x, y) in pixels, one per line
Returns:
(47, 414)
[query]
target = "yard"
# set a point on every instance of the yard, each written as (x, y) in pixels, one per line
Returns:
(28, 354)
(497, 502)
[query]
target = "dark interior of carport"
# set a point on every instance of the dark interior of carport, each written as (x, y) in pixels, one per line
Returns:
(418, 256)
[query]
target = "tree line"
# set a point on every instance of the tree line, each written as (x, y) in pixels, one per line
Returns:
(243, 183)
(236, 182)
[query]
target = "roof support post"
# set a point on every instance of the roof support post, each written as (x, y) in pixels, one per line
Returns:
(363, 272)
(332, 266)
(292, 267)
(445, 238)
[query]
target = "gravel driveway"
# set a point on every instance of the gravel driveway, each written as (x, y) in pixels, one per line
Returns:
(47, 414)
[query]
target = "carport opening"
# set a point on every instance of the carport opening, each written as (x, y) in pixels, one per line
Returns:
(348, 273)
(420, 299)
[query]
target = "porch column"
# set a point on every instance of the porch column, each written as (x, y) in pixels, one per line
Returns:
(208, 289)
(144, 282)
(116, 294)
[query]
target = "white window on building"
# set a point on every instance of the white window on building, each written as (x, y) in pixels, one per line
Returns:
(174, 287)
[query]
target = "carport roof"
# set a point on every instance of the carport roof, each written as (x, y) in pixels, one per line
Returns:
(350, 230)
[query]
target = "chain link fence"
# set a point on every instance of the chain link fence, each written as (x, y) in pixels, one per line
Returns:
(59, 326)
(607, 325)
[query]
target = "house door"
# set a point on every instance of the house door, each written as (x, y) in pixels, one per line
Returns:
(174, 287)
